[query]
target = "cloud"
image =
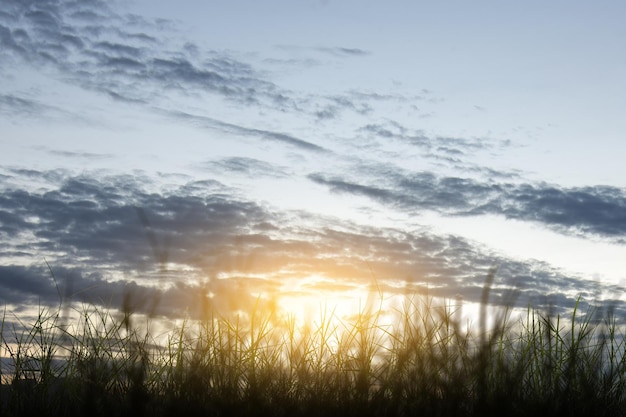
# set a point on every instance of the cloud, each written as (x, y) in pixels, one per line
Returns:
(211, 123)
(106, 236)
(98, 49)
(437, 146)
(14, 105)
(456, 154)
(117, 49)
(132, 60)
(361, 102)
(381, 130)
(336, 51)
(597, 211)
(249, 167)
(10, 40)
(128, 59)
(79, 155)
(39, 285)
(332, 106)
(342, 51)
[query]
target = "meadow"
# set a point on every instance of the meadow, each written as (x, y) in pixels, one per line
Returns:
(426, 362)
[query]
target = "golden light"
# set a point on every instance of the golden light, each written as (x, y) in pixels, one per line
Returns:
(308, 299)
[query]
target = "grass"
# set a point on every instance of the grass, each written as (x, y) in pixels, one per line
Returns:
(427, 363)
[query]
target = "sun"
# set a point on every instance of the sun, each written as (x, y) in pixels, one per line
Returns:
(316, 299)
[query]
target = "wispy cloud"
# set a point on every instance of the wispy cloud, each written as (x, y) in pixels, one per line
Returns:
(336, 51)
(436, 145)
(342, 51)
(79, 155)
(208, 122)
(248, 167)
(14, 105)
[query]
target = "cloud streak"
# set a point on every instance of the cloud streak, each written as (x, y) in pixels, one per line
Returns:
(208, 122)
(588, 211)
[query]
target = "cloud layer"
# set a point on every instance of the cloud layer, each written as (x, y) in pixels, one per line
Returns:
(105, 234)
(103, 237)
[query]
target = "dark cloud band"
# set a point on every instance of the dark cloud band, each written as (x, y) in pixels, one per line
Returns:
(599, 210)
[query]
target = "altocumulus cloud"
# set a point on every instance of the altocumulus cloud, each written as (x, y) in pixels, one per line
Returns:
(103, 51)
(125, 57)
(129, 59)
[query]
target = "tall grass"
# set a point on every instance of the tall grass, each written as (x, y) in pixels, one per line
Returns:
(426, 362)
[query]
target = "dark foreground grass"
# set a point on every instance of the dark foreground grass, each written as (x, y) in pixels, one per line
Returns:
(425, 364)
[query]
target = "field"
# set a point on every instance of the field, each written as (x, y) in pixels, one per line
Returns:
(426, 362)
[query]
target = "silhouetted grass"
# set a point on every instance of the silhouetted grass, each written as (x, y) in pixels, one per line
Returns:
(427, 363)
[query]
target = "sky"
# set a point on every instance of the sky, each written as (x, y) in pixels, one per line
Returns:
(232, 151)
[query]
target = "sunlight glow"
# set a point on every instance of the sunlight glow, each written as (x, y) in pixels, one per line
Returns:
(307, 299)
